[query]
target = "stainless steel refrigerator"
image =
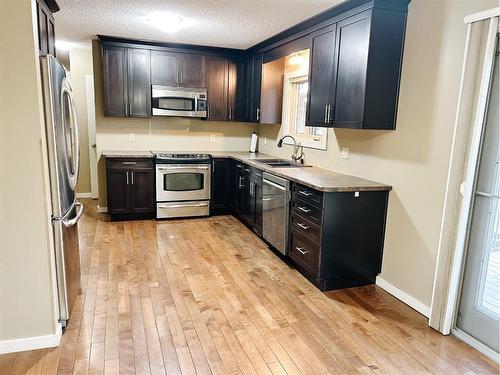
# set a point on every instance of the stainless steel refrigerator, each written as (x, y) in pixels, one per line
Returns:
(63, 149)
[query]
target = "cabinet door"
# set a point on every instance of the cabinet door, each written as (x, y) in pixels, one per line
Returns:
(321, 77)
(217, 79)
(219, 200)
(51, 37)
(114, 61)
(256, 87)
(236, 187)
(164, 68)
(192, 71)
(142, 188)
(139, 82)
(236, 91)
(248, 199)
(258, 201)
(271, 98)
(352, 56)
(118, 191)
(42, 17)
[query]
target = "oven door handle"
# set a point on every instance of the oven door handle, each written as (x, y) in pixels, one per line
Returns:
(179, 167)
(183, 205)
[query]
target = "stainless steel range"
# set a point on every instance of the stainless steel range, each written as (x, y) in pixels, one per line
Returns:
(182, 185)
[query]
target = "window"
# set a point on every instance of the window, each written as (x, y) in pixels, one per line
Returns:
(295, 90)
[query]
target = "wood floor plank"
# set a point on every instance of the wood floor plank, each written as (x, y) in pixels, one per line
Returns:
(206, 296)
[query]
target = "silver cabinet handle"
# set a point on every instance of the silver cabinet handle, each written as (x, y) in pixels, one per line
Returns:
(69, 223)
(301, 250)
(258, 114)
(307, 194)
(267, 199)
(127, 177)
(248, 170)
(230, 113)
(328, 113)
(239, 166)
(303, 226)
(129, 163)
(240, 182)
(326, 109)
(303, 209)
(132, 174)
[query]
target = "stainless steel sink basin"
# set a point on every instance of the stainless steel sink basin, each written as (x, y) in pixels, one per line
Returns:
(281, 163)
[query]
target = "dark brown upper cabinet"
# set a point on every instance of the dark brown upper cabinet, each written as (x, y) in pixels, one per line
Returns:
(355, 71)
(253, 79)
(127, 81)
(217, 95)
(192, 70)
(164, 68)
(46, 26)
(236, 90)
(271, 95)
(178, 69)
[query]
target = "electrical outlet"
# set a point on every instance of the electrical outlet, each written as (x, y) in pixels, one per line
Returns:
(212, 137)
(344, 153)
(132, 137)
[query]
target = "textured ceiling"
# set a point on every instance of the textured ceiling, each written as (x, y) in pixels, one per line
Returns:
(222, 23)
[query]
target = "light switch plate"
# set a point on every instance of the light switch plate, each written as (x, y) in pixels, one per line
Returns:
(344, 153)
(132, 137)
(212, 137)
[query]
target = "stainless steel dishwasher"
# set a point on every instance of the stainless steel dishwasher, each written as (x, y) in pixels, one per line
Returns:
(275, 206)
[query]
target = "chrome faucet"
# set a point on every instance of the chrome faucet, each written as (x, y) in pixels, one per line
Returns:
(296, 146)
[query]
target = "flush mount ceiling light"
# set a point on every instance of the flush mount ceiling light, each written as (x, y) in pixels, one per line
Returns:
(168, 22)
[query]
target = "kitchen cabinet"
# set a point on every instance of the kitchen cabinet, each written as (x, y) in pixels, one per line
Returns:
(236, 187)
(271, 94)
(336, 239)
(46, 26)
(127, 81)
(253, 79)
(217, 88)
(355, 71)
(220, 189)
(130, 187)
(236, 90)
(178, 69)
(164, 68)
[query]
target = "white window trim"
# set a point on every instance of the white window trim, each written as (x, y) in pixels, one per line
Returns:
(318, 145)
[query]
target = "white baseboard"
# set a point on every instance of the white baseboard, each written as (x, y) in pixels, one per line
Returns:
(102, 210)
(490, 353)
(414, 303)
(31, 343)
(84, 195)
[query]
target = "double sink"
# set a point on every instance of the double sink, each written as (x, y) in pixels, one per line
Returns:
(281, 163)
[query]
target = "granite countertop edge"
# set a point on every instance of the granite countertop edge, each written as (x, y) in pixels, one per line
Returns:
(252, 160)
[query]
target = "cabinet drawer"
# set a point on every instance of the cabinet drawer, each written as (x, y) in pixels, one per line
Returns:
(304, 252)
(129, 163)
(307, 210)
(310, 196)
(306, 228)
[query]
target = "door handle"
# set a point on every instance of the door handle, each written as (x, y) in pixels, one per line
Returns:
(329, 113)
(240, 182)
(307, 194)
(69, 223)
(303, 209)
(326, 108)
(230, 113)
(301, 250)
(132, 174)
(303, 226)
(127, 178)
(267, 199)
(258, 114)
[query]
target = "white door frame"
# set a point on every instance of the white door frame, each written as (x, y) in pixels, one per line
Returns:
(89, 80)
(445, 320)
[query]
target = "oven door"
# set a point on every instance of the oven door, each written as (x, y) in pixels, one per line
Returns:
(176, 102)
(182, 182)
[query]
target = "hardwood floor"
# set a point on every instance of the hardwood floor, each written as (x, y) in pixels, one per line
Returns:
(206, 296)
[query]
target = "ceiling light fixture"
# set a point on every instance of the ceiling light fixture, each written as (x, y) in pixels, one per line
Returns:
(296, 59)
(168, 22)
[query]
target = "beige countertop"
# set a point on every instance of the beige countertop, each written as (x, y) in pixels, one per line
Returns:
(317, 178)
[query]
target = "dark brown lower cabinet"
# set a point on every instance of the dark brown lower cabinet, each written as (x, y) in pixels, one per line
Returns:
(130, 188)
(337, 239)
(220, 197)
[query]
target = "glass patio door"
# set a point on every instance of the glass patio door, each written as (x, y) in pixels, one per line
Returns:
(479, 307)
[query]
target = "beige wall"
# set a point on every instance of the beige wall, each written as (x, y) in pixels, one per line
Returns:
(159, 133)
(81, 66)
(26, 283)
(414, 158)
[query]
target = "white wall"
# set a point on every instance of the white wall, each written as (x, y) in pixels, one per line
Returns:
(27, 305)
(413, 158)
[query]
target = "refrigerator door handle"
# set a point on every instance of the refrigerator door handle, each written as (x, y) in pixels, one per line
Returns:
(69, 223)
(66, 90)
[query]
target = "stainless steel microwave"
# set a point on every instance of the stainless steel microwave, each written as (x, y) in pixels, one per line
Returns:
(179, 101)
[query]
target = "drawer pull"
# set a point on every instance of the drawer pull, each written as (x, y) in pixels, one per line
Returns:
(301, 250)
(303, 226)
(303, 209)
(307, 194)
(129, 163)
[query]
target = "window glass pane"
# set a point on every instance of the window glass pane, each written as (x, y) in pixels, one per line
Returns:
(179, 104)
(317, 131)
(300, 93)
(183, 181)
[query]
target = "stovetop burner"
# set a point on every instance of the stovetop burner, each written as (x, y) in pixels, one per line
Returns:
(169, 158)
